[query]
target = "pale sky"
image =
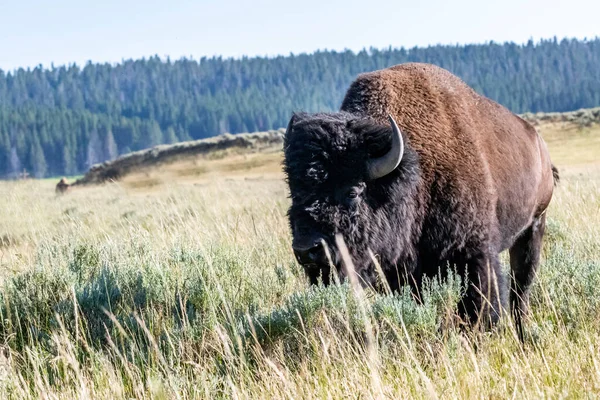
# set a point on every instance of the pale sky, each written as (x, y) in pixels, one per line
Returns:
(65, 31)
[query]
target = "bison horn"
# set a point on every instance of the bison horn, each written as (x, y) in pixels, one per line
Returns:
(288, 130)
(381, 166)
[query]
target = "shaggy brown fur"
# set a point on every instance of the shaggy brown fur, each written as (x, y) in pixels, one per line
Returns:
(475, 180)
(62, 186)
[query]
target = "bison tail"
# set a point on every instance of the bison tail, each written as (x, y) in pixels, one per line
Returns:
(555, 175)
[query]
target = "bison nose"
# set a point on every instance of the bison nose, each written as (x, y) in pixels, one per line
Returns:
(314, 254)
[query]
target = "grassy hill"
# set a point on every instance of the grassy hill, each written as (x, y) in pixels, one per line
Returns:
(179, 282)
(573, 137)
(183, 153)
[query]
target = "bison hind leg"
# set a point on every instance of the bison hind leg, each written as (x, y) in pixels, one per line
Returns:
(524, 262)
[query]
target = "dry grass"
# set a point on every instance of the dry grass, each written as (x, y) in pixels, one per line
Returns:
(177, 284)
(571, 145)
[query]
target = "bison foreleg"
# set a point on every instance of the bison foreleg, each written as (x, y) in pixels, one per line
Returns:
(482, 302)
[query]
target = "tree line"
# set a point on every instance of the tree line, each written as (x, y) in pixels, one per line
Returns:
(61, 120)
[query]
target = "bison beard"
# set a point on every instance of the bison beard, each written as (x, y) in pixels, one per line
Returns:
(447, 179)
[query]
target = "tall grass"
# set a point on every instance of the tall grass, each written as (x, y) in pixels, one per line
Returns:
(191, 291)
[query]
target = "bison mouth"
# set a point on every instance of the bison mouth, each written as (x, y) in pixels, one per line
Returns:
(324, 263)
(318, 273)
(317, 257)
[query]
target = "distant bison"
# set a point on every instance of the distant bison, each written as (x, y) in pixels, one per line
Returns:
(62, 186)
(425, 173)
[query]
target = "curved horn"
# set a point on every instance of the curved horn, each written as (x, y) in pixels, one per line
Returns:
(290, 124)
(381, 166)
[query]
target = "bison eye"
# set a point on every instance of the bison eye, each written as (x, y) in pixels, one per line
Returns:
(352, 195)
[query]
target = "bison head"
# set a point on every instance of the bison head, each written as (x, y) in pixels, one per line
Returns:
(348, 176)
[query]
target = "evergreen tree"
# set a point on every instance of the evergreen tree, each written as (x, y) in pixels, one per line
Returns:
(37, 160)
(68, 165)
(170, 136)
(79, 116)
(94, 150)
(110, 146)
(15, 163)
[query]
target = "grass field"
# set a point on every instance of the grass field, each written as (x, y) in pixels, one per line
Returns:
(180, 283)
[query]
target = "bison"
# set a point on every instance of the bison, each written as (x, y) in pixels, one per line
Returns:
(421, 173)
(62, 186)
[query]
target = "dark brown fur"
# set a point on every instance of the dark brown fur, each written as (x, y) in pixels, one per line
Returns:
(476, 180)
(62, 186)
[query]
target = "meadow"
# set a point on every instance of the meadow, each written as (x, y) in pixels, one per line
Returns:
(179, 282)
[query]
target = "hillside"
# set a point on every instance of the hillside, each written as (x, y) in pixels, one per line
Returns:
(156, 157)
(62, 120)
(573, 137)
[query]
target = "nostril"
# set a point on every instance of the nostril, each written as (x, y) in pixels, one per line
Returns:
(310, 255)
(313, 253)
